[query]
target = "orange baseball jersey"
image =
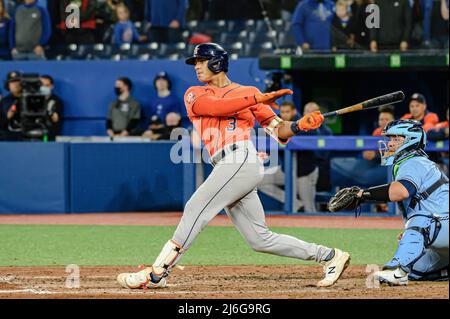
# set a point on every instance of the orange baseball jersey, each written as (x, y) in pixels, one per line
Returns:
(225, 115)
(429, 120)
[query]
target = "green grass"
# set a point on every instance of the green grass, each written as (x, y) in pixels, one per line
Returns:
(45, 245)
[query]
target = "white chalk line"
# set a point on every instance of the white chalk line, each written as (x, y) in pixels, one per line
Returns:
(33, 291)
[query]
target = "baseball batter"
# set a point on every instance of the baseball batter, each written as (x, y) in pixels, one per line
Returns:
(223, 113)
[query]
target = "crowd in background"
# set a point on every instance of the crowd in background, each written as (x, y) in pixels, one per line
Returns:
(126, 118)
(28, 26)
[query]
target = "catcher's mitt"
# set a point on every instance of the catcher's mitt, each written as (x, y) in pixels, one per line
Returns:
(345, 199)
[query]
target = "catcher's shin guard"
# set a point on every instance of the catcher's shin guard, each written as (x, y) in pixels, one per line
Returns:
(421, 230)
(167, 258)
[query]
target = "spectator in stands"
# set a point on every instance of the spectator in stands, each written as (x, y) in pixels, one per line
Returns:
(385, 115)
(173, 121)
(124, 114)
(165, 18)
(395, 26)
(10, 109)
(165, 102)
(435, 23)
(360, 30)
(342, 34)
(418, 111)
(309, 164)
(289, 111)
(29, 31)
(124, 29)
(85, 34)
(311, 24)
(53, 105)
(274, 180)
(439, 131)
(156, 129)
(4, 33)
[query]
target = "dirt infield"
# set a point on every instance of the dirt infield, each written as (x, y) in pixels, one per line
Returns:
(172, 219)
(248, 282)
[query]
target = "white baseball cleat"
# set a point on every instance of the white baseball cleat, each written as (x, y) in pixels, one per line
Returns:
(392, 277)
(140, 280)
(334, 268)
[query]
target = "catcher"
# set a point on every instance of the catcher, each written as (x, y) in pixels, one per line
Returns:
(421, 190)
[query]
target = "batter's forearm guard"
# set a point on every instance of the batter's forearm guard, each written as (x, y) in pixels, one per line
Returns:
(271, 130)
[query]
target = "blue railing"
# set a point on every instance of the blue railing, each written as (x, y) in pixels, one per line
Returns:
(333, 143)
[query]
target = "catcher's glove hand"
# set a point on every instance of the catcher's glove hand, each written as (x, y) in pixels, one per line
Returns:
(345, 199)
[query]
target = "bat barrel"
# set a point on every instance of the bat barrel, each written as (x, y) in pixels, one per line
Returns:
(390, 98)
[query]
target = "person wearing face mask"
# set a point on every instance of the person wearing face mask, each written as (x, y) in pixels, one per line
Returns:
(124, 113)
(54, 106)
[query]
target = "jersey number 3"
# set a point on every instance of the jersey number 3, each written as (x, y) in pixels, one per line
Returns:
(231, 123)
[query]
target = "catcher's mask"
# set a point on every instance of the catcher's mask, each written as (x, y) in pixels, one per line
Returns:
(400, 139)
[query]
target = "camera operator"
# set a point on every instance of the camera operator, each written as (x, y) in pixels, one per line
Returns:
(9, 107)
(53, 105)
(26, 114)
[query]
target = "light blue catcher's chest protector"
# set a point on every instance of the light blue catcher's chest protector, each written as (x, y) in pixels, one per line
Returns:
(430, 182)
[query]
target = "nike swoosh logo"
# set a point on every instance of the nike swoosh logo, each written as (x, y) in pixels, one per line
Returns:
(397, 277)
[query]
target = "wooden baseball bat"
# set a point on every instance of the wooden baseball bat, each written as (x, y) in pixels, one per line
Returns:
(390, 98)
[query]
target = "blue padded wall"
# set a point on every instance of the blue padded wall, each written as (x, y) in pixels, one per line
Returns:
(117, 177)
(33, 178)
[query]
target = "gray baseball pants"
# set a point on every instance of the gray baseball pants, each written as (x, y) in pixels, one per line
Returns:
(232, 186)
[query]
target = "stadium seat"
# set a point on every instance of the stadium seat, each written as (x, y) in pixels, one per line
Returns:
(250, 25)
(177, 48)
(235, 26)
(101, 51)
(278, 25)
(255, 49)
(236, 48)
(261, 26)
(153, 48)
(124, 49)
(144, 57)
(286, 39)
(172, 57)
(139, 27)
(260, 37)
(56, 52)
(227, 38)
(76, 52)
(192, 25)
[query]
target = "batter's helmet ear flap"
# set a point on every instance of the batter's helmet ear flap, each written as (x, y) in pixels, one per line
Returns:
(218, 64)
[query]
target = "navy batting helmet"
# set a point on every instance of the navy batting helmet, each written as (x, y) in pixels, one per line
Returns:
(217, 56)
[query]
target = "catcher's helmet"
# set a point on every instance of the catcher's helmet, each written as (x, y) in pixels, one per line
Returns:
(415, 140)
(217, 56)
